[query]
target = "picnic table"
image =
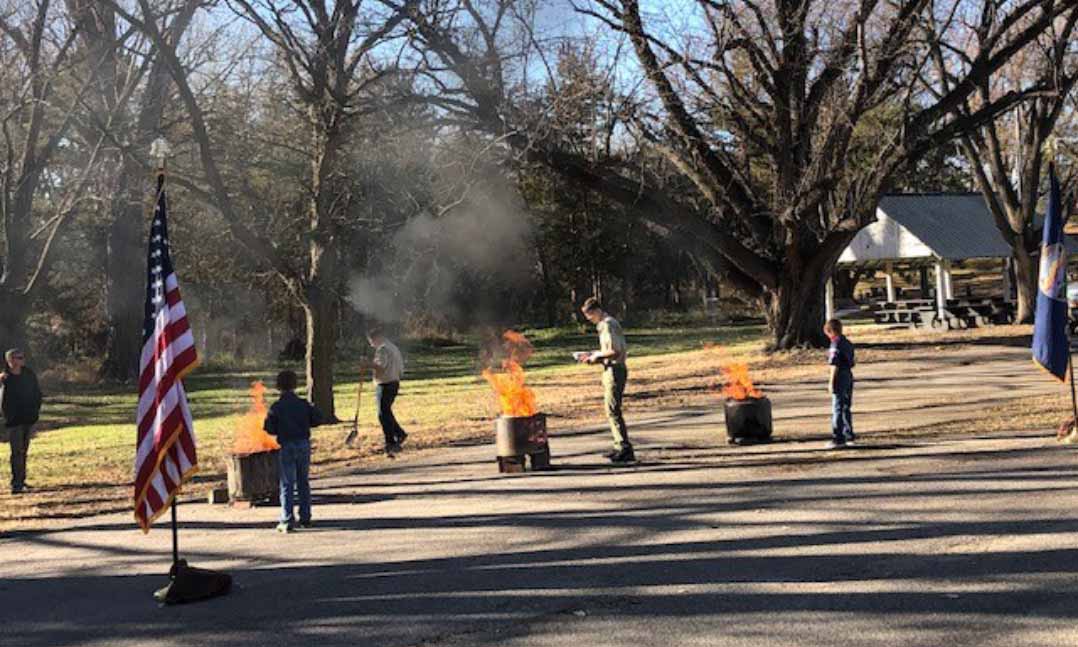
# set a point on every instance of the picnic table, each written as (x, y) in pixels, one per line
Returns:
(957, 313)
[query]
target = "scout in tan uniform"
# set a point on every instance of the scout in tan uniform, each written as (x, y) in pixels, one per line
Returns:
(611, 355)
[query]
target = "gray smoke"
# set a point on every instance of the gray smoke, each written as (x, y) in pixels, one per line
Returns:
(444, 264)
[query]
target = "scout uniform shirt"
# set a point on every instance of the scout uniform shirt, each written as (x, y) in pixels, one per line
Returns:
(388, 363)
(611, 338)
(841, 356)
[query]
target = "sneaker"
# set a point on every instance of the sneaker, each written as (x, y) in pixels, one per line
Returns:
(284, 526)
(306, 524)
(624, 456)
(834, 444)
(851, 443)
(393, 448)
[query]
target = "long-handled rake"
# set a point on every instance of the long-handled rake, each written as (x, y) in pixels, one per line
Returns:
(354, 433)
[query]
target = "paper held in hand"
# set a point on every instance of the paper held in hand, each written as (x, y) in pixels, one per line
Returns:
(581, 355)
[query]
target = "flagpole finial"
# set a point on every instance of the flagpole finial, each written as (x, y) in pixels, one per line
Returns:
(160, 149)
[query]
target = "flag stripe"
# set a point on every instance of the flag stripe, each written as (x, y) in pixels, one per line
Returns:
(161, 389)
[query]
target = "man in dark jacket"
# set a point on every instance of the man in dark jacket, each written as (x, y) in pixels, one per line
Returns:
(21, 405)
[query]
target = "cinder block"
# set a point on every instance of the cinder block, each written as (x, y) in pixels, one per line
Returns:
(218, 495)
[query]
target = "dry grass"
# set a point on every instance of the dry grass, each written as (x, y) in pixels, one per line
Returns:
(83, 465)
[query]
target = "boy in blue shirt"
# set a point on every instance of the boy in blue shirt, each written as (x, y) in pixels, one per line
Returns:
(290, 419)
(840, 357)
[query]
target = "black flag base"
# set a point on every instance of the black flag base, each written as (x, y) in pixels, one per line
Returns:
(190, 584)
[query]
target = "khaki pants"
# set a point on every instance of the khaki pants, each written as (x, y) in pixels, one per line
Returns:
(614, 378)
(19, 437)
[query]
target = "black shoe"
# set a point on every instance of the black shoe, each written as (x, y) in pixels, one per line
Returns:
(401, 438)
(392, 449)
(306, 524)
(624, 456)
(611, 454)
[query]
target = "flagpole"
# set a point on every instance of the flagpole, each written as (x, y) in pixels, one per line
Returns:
(176, 534)
(186, 583)
(160, 149)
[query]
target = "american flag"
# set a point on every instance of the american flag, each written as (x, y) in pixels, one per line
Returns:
(165, 455)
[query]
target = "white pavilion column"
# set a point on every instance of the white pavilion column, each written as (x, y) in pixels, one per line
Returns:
(889, 277)
(1007, 280)
(829, 298)
(948, 286)
(941, 290)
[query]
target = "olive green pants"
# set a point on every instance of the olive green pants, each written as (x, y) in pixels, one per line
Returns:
(614, 378)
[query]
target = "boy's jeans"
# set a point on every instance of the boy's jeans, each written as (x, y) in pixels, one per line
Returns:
(295, 463)
(841, 414)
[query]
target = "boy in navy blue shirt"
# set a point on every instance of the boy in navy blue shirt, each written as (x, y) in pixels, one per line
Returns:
(840, 357)
(290, 419)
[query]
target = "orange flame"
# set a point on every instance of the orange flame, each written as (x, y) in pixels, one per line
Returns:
(739, 384)
(515, 398)
(250, 437)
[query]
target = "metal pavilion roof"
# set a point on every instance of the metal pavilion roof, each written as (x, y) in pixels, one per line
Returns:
(951, 226)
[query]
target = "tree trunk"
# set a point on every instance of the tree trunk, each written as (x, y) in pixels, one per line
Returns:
(124, 284)
(550, 306)
(14, 308)
(795, 311)
(321, 314)
(1025, 278)
(323, 257)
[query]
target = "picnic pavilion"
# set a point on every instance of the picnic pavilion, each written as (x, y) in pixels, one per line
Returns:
(931, 232)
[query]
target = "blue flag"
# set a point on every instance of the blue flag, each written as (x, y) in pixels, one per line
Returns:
(1051, 347)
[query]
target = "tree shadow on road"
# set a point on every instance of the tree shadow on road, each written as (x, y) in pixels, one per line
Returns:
(696, 555)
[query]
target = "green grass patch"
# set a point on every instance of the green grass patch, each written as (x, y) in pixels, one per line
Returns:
(86, 438)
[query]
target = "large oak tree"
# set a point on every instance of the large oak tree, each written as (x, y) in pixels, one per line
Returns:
(786, 119)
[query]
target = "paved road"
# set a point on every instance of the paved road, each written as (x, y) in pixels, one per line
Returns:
(948, 541)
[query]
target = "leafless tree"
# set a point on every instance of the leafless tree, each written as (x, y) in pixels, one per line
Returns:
(1008, 165)
(39, 107)
(125, 104)
(328, 52)
(787, 119)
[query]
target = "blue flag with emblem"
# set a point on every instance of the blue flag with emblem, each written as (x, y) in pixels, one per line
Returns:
(1051, 347)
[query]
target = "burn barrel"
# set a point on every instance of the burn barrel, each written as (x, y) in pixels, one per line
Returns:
(748, 421)
(521, 438)
(253, 477)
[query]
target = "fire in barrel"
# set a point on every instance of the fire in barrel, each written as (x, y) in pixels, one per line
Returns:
(252, 464)
(747, 410)
(520, 431)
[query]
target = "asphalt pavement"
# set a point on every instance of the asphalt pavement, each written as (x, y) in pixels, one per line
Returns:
(930, 540)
